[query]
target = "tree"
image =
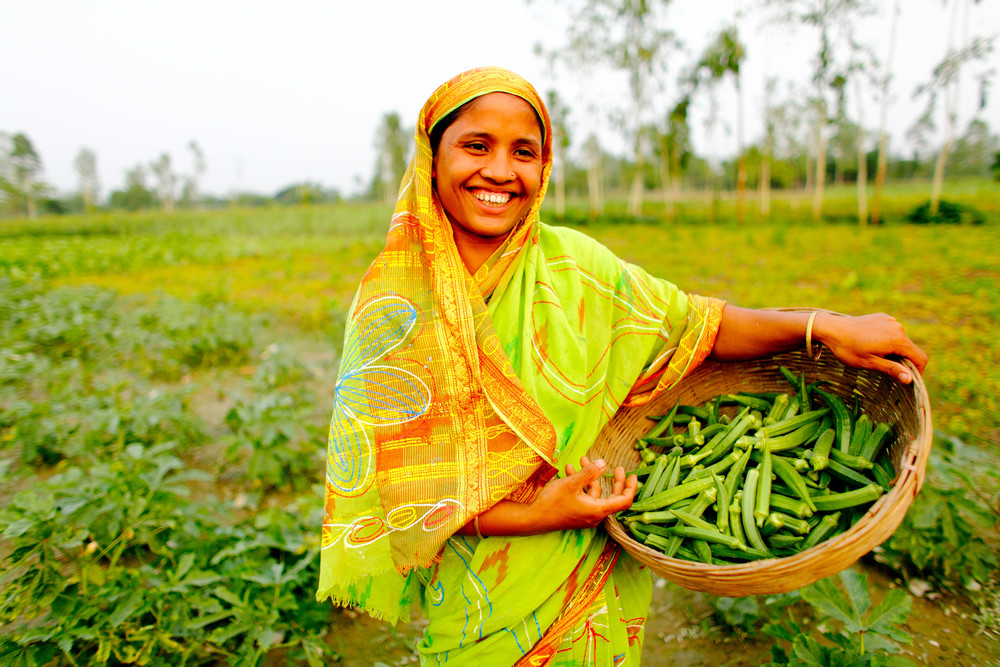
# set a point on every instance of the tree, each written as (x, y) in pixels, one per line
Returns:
(626, 35)
(944, 82)
(675, 151)
(834, 20)
(974, 150)
(25, 166)
(86, 168)
(191, 194)
(883, 135)
(595, 175)
(165, 181)
(722, 57)
(391, 148)
(559, 114)
(135, 196)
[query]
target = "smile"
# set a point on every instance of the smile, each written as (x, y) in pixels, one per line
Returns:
(492, 198)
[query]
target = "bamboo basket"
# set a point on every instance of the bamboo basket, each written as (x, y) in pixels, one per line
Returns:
(884, 399)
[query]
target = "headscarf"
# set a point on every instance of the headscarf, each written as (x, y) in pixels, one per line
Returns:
(431, 425)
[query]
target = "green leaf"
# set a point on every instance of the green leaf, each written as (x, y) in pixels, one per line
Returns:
(126, 608)
(856, 586)
(808, 652)
(18, 528)
(890, 612)
(827, 598)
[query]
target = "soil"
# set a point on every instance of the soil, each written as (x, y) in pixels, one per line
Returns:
(682, 630)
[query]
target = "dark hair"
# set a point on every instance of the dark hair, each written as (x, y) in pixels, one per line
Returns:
(438, 130)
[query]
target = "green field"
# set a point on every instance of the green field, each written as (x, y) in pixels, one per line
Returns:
(165, 382)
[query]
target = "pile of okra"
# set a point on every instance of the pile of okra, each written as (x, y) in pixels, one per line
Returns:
(787, 472)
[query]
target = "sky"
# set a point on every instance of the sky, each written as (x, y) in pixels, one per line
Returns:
(278, 93)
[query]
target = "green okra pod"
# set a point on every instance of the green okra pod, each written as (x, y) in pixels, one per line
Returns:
(821, 452)
(862, 430)
(841, 419)
(664, 424)
(877, 440)
(845, 499)
(826, 527)
(708, 535)
(762, 499)
(792, 423)
(665, 498)
(848, 475)
(748, 503)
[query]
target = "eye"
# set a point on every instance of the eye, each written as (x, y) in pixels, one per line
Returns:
(525, 153)
(476, 146)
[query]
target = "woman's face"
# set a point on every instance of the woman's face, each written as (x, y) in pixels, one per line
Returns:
(488, 169)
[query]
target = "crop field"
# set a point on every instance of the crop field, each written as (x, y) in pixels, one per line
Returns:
(166, 381)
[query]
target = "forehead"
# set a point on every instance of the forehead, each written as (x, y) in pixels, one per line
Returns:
(499, 111)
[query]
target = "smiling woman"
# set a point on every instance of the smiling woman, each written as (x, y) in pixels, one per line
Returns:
(487, 172)
(484, 353)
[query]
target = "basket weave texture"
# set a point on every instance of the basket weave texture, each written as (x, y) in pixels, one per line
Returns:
(881, 397)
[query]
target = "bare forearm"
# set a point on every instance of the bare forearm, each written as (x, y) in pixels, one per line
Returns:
(752, 334)
(875, 341)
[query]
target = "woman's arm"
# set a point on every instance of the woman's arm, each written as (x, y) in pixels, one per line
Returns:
(874, 341)
(564, 503)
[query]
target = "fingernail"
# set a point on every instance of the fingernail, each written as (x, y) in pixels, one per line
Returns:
(599, 463)
(904, 377)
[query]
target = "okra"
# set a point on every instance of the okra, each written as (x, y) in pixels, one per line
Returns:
(793, 506)
(842, 419)
(693, 521)
(790, 440)
(736, 522)
(777, 409)
(777, 520)
(875, 442)
(862, 429)
(762, 499)
(852, 498)
(794, 481)
(847, 474)
(735, 474)
(748, 504)
(821, 452)
(753, 402)
(721, 504)
(855, 461)
(652, 485)
(663, 424)
(708, 535)
(792, 423)
(665, 498)
(701, 550)
(824, 529)
(747, 553)
(784, 541)
(882, 476)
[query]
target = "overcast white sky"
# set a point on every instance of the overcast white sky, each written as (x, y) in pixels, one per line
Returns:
(282, 92)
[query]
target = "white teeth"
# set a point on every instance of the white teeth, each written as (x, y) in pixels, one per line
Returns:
(498, 198)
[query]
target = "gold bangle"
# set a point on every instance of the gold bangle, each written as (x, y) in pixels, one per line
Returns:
(475, 524)
(809, 338)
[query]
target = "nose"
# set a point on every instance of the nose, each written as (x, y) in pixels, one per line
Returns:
(499, 168)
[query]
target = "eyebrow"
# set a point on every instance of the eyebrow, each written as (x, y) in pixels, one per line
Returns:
(486, 135)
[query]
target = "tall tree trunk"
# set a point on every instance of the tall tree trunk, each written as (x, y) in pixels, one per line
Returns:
(883, 138)
(741, 169)
(820, 179)
(765, 187)
(560, 174)
(950, 113)
(668, 200)
(862, 159)
(594, 178)
(635, 196)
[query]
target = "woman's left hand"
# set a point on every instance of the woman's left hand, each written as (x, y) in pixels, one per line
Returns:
(875, 341)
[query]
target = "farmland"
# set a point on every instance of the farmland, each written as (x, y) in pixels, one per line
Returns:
(165, 382)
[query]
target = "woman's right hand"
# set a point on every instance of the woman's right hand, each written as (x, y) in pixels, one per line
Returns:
(577, 501)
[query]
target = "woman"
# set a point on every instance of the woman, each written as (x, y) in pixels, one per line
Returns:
(484, 353)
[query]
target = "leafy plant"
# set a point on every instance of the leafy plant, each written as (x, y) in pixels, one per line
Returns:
(943, 536)
(861, 634)
(274, 435)
(949, 213)
(119, 564)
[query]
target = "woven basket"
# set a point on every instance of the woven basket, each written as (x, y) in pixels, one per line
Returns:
(881, 397)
